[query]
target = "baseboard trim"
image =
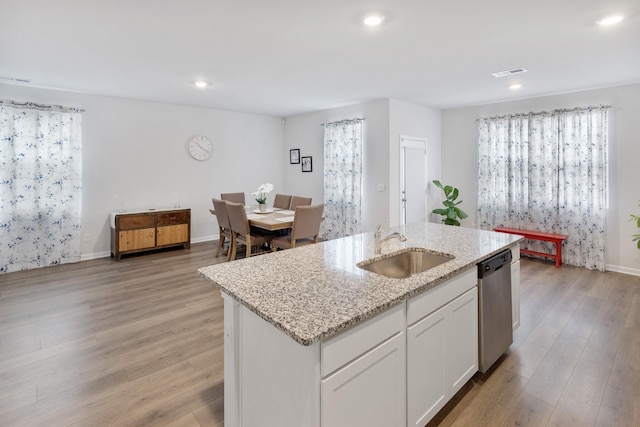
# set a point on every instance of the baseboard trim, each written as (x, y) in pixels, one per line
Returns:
(96, 255)
(625, 270)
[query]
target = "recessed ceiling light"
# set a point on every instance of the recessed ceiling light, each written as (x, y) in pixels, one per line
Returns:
(201, 84)
(610, 20)
(373, 19)
(515, 86)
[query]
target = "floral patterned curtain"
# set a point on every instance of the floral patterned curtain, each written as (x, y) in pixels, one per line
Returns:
(342, 178)
(547, 172)
(40, 186)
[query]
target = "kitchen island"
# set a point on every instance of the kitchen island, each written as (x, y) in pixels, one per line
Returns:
(311, 339)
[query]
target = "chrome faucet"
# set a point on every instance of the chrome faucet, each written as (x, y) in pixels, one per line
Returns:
(379, 240)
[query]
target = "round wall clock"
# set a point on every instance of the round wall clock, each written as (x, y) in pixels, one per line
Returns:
(200, 147)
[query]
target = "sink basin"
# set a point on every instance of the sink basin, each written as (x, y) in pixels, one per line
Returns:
(404, 264)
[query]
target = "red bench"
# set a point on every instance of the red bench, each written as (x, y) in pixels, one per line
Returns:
(538, 235)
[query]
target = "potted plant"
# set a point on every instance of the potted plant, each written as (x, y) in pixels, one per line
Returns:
(636, 219)
(451, 212)
(261, 195)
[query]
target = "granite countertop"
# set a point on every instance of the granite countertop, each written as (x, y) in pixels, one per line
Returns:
(313, 292)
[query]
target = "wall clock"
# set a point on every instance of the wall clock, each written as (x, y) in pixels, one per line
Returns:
(200, 147)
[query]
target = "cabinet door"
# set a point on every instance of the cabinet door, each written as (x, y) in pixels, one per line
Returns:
(515, 294)
(369, 391)
(426, 376)
(462, 340)
(173, 234)
(131, 240)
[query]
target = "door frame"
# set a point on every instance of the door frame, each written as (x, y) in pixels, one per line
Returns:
(407, 141)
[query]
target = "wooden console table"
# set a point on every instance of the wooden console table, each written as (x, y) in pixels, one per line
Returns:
(151, 229)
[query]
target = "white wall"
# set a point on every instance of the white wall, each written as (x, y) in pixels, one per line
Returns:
(306, 133)
(135, 156)
(459, 158)
(408, 119)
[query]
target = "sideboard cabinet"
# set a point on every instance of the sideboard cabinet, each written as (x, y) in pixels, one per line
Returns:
(143, 231)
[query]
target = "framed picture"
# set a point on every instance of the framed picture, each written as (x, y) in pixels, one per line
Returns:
(306, 164)
(294, 156)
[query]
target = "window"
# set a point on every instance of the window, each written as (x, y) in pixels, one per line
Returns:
(548, 172)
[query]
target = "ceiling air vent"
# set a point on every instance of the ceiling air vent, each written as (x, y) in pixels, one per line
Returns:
(509, 72)
(14, 79)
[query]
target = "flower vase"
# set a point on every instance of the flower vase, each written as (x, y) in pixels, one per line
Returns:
(262, 207)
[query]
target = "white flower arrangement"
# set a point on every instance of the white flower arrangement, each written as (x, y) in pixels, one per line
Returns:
(261, 194)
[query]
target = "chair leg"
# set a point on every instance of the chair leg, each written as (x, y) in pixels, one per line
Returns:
(249, 247)
(220, 243)
(232, 248)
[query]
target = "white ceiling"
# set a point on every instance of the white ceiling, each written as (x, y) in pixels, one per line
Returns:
(286, 57)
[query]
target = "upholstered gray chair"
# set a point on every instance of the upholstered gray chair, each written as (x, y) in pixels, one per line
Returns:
(224, 226)
(305, 230)
(242, 232)
(233, 197)
(282, 201)
(299, 201)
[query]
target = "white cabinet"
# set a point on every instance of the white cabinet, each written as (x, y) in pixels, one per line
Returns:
(369, 391)
(397, 368)
(515, 287)
(442, 347)
(426, 376)
(462, 340)
(363, 372)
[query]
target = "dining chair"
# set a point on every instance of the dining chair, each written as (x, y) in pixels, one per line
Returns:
(233, 197)
(242, 232)
(299, 201)
(224, 226)
(305, 230)
(282, 201)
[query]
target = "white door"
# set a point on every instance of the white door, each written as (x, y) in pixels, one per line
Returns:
(413, 179)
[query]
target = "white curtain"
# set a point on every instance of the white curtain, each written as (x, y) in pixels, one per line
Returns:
(40, 185)
(343, 143)
(547, 172)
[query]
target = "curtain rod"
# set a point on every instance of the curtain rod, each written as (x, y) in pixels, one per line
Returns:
(41, 107)
(339, 122)
(560, 110)
(541, 113)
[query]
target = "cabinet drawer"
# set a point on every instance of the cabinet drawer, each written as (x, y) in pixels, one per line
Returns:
(172, 218)
(135, 221)
(436, 297)
(348, 345)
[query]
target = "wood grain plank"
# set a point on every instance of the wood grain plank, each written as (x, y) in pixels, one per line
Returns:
(140, 342)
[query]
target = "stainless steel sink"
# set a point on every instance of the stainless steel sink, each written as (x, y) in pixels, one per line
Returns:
(404, 264)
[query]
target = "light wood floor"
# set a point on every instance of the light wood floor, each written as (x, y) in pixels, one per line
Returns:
(139, 342)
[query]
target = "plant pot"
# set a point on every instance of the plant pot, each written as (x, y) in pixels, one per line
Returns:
(262, 207)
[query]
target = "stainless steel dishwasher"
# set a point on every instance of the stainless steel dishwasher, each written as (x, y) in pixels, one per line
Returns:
(494, 290)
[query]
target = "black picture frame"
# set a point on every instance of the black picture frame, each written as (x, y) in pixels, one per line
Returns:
(307, 164)
(294, 156)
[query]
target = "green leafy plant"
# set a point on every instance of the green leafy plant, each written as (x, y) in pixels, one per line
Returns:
(636, 219)
(451, 211)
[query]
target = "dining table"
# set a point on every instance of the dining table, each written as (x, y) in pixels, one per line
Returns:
(272, 219)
